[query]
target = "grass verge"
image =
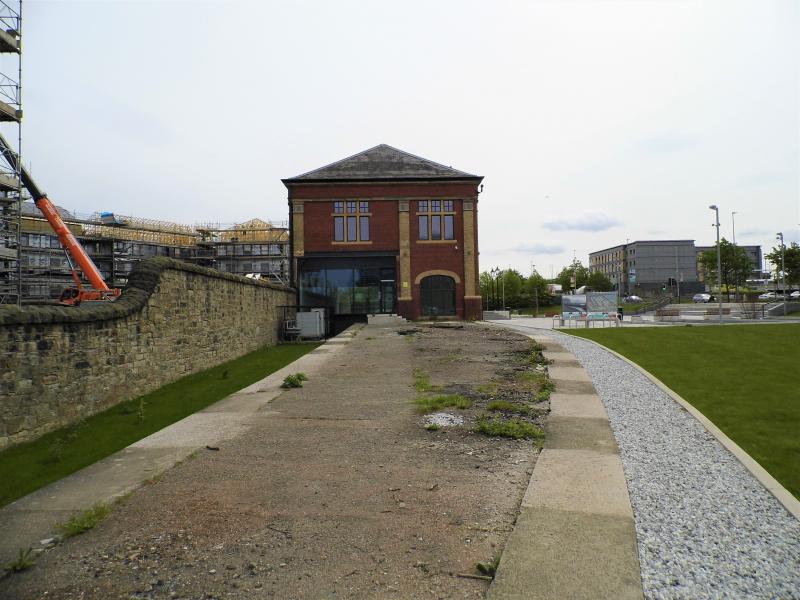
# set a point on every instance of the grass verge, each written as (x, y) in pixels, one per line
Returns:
(742, 377)
(28, 467)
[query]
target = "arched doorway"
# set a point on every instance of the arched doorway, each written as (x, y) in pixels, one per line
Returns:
(438, 296)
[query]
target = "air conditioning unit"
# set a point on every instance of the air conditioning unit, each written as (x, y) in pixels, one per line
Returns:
(311, 324)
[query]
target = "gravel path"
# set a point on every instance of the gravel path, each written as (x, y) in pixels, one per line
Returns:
(706, 527)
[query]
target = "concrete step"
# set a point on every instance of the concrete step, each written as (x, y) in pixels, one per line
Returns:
(386, 320)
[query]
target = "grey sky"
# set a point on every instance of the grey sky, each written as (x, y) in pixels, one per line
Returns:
(592, 122)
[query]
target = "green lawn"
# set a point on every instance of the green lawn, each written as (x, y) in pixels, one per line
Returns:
(744, 378)
(27, 467)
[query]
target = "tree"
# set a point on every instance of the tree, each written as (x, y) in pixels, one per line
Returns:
(599, 282)
(512, 280)
(577, 269)
(536, 288)
(791, 261)
(734, 262)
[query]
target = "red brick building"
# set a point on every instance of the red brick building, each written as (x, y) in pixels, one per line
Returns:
(388, 232)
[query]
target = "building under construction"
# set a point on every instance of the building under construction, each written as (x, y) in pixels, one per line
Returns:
(115, 243)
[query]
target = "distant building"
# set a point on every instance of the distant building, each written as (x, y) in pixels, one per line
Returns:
(753, 253)
(649, 267)
(385, 231)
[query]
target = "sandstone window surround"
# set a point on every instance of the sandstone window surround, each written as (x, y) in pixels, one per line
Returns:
(351, 222)
(437, 220)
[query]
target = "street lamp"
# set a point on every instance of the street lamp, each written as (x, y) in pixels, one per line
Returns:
(715, 208)
(493, 273)
(735, 271)
(779, 236)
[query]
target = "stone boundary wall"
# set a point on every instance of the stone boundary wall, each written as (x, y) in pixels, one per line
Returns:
(60, 364)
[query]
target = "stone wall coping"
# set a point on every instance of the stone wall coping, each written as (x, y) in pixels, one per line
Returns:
(142, 282)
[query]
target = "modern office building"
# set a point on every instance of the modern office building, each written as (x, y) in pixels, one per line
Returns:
(649, 267)
(384, 231)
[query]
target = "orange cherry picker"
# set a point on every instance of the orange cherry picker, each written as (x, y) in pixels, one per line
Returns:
(71, 296)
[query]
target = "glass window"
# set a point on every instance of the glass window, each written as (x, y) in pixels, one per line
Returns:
(351, 206)
(363, 233)
(422, 206)
(449, 227)
(448, 206)
(352, 234)
(247, 250)
(435, 205)
(338, 229)
(423, 227)
(436, 227)
(363, 206)
(338, 207)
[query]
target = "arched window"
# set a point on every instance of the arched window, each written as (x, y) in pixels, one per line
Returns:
(438, 296)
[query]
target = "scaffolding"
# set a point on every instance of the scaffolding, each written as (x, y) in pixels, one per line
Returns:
(10, 180)
(116, 242)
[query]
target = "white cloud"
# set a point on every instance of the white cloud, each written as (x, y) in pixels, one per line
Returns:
(588, 221)
(538, 248)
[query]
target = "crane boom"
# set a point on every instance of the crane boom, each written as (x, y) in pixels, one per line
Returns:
(68, 242)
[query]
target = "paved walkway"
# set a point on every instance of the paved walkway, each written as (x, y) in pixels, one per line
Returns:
(575, 535)
(33, 518)
(333, 490)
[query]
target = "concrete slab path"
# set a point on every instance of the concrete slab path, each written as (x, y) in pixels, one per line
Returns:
(34, 517)
(575, 535)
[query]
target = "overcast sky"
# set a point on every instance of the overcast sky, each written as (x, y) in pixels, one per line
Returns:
(593, 122)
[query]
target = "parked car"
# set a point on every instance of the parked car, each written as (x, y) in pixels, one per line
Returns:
(701, 298)
(770, 296)
(633, 299)
(795, 295)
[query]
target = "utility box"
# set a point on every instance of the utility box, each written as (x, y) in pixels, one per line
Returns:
(311, 324)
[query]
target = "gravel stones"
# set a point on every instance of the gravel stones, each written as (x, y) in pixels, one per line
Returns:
(706, 527)
(443, 419)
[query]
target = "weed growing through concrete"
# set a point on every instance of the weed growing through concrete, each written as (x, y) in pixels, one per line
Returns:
(547, 387)
(294, 381)
(22, 562)
(488, 568)
(427, 404)
(422, 381)
(516, 429)
(513, 407)
(488, 388)
(84, 521)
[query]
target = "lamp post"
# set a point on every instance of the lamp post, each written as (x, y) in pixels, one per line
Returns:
(495, 272)
(779, 236)
(715, 208)
(733, 234)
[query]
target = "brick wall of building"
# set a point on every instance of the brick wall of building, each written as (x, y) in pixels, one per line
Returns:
(60, 364)
(318, 218)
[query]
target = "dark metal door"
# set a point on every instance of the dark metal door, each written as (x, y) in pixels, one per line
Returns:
(438, 296)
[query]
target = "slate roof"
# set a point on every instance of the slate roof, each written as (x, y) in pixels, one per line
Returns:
(382, 163)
